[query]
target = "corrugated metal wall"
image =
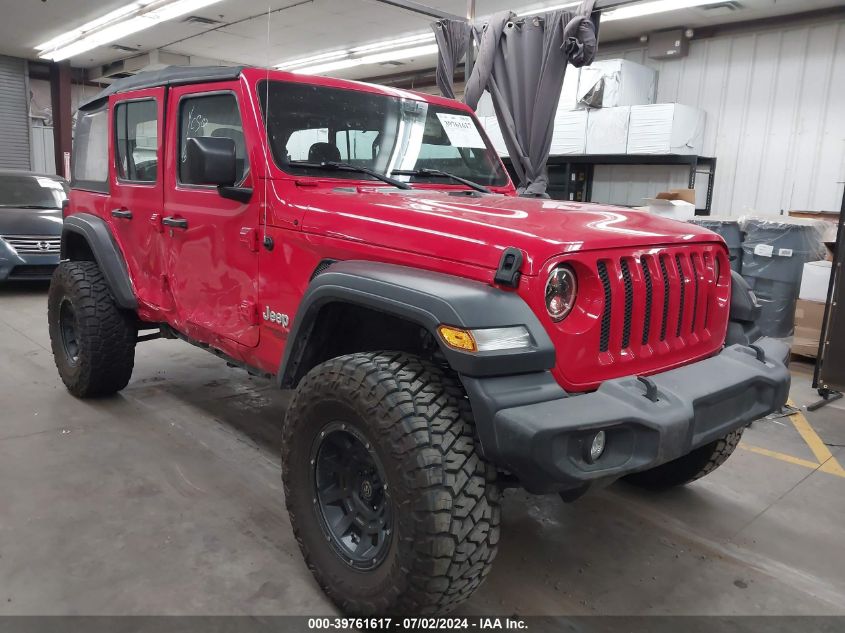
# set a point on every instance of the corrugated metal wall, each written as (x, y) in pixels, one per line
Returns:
(775, 103)
(14, 114)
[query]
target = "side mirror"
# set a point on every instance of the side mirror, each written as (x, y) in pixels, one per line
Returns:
(210, 160)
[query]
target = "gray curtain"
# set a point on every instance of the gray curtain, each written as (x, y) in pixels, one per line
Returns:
(452, 42)
(522, 63)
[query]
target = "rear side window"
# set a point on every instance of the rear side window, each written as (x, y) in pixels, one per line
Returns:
(214, 115)
(91, 151)
(136, 140)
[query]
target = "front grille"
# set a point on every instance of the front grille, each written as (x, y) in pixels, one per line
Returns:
(641, 311)
(633, 285)
(34, 244)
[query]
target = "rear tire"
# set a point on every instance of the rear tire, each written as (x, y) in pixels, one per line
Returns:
(411, 422)
(695, 465)
(93, 341)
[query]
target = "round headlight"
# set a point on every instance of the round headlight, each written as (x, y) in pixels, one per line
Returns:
(561, 289)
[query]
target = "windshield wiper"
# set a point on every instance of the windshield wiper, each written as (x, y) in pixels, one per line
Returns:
(436, 173)
(352, 168)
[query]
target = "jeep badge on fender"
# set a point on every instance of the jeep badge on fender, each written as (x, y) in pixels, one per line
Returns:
(276, 317)
(448, 338)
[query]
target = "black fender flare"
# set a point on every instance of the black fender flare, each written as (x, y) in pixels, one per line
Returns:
(428, 299)
(98, 236)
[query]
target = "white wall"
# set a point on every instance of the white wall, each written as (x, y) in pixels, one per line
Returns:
(775, 103)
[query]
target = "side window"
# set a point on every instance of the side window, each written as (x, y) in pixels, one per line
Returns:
(91, 150)
(213, 115)
(136, 140)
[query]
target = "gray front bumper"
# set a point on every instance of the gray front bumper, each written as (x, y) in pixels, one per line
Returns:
(539, 433)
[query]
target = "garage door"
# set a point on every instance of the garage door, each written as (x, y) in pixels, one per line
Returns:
(14, 115)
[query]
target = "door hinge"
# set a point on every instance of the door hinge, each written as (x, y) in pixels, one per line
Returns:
(249, 312)
(249, 238)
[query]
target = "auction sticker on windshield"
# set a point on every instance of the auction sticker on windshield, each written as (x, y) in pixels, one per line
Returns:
(461, 130)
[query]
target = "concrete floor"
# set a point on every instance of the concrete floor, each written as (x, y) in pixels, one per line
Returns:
(167, 500)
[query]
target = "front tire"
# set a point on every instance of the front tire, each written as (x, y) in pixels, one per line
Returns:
(695, 465)
(403, 459)
(93, 341)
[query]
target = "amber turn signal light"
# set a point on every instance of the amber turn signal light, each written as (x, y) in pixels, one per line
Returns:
(457, 338)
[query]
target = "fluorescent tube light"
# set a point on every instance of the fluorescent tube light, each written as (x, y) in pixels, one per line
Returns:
(376, 58)
(349, 55)
(398, 42)
(650, 8)
(116, 25)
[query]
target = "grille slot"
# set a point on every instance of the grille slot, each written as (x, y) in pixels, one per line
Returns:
(629, 303)
(692, 261)
(604, 344)
(34, 244)
(648, 300)
(682, 279)
(666, 288)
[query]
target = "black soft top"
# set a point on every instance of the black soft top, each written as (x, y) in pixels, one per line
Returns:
(169, 76)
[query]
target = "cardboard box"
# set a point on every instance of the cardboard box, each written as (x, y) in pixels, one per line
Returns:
(815, 280)
(678, 204)
(612, 83)
(607, 130)
(667, 128)
(809, 316)
(570, 133)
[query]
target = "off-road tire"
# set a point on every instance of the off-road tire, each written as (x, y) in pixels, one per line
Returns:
(105, 335)
(444, 495)
(695, 465)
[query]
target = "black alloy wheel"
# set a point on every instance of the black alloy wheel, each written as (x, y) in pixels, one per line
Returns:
(67, 328)
(351, 498)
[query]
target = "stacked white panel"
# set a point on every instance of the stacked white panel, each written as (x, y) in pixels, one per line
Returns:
(670, 128)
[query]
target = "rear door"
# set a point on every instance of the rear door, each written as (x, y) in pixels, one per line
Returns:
(137, 187)
(210, 242)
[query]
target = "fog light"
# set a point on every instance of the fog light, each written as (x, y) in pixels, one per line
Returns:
(597, 447)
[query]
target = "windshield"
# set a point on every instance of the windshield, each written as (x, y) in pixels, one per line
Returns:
(28, 191)
(309, 124)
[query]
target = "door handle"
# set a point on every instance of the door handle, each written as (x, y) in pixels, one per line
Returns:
(176, 223)
(125, 214)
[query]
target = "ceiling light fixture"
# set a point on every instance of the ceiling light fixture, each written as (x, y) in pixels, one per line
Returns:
(376, 58)
(650, 8)
(351, 54)
(132, 18)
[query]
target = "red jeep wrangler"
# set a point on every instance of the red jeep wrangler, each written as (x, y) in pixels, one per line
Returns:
(445, 338)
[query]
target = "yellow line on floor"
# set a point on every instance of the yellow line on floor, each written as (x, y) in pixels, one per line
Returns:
(828, 462)
(806, 463)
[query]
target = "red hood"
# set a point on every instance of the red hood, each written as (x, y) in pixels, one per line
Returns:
(475, 230)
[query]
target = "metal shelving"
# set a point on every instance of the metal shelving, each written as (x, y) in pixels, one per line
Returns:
(582, 167)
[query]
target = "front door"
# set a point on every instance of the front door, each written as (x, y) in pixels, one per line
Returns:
(137, 189)
(210, 242)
